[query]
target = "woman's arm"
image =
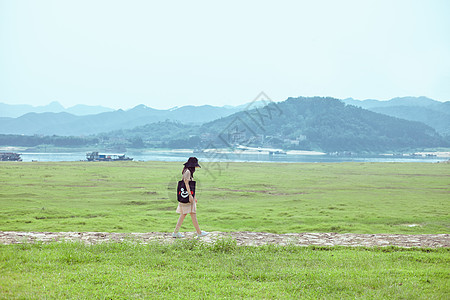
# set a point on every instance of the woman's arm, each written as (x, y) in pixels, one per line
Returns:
(188, 188)
(186, 179)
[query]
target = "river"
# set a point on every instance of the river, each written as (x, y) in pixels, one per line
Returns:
(229, 157)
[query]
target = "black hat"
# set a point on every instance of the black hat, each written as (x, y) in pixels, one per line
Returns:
(192, 163)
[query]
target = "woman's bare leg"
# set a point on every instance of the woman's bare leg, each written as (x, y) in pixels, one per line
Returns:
(180, 221)
(195, 222)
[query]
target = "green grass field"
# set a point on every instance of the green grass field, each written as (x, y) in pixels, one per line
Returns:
(190, 269)
(279, 198)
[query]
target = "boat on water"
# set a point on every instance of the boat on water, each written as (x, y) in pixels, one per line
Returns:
(10, 156)
(96, 156)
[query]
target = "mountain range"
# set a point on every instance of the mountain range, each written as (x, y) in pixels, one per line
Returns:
(314, 123)
(64, 123)
(324, 124)
(422, 109)
(54, 119)
(15, 111)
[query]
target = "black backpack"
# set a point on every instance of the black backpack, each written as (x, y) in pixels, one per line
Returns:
(182, 193)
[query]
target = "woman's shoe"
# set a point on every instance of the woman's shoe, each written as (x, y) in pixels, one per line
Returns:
(203, 233)
(177, 235)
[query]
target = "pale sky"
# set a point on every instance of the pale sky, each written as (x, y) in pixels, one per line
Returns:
(172, 53)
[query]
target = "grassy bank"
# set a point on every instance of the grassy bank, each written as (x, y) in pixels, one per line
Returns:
(190, 269)
(407, 198)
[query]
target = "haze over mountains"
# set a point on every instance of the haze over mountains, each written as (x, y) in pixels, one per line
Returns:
(422, 109)
(15, 111)
(314, 123)
(84, 120)
(322, 124)
(64, 123)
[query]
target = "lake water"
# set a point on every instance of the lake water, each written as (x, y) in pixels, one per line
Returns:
(182, 157)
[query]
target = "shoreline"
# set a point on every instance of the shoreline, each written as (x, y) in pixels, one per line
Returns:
(262, 151)
(226, 155)
(443, 154)
(242, 151)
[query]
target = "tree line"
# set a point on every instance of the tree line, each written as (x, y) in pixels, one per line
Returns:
(35, 140)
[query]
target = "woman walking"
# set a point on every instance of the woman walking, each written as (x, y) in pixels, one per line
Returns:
(188, 208)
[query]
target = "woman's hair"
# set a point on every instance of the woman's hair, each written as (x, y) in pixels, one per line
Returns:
(191, 169)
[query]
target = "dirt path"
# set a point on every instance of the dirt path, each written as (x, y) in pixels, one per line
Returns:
(242, 238)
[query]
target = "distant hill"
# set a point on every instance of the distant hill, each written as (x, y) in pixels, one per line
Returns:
(83, 110)
(316, 123)
(325, 124)
(398, 101)
(83, 119)
(63, 123)
(433, 113)
(15, 111)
